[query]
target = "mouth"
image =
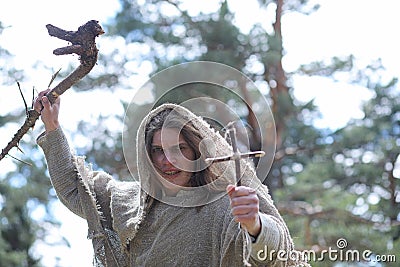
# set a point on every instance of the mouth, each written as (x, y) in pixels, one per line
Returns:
(168, 173)
(171, 173)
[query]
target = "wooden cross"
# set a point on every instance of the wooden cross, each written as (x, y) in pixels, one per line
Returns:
(236, 155)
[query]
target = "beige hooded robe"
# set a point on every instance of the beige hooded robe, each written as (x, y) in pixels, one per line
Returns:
(127, 231)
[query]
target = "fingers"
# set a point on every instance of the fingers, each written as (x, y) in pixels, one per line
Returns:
(42, 102)
(237, 191)
(43, 93)
(46, 103)
(48, 111)
(38, 105)
(230, 188)
(245, 207)
(244, 201)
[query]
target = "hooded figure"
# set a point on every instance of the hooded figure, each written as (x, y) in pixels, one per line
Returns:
(157, 221)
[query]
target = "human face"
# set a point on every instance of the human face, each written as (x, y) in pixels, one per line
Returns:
(172, 157)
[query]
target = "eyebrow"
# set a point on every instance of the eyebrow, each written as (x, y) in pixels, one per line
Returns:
(173, 146)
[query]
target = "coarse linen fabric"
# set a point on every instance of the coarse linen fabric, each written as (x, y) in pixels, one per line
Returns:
(134, 232)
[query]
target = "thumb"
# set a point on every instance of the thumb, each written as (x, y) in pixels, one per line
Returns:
(230, 188)
(46, 102)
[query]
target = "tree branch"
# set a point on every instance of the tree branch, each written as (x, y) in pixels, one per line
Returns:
(83, 44)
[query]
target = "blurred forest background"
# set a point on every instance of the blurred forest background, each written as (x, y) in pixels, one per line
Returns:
(328, 184)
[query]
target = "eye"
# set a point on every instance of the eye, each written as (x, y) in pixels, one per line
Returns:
(178, 148)
(157, 150)
(175, 149)
(183, 147)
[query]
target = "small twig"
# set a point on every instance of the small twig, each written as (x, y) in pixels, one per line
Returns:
(33, 96)
(53, 77)
(17, 146)
(20, 160)
(23, 98)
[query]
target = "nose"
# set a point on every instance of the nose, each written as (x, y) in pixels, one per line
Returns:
(169, 158)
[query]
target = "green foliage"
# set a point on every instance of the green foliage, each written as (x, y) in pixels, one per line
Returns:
(22, 192)
(348, 189)
(17, 231)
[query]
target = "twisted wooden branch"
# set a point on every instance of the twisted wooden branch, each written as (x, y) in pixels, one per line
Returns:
(83, 44)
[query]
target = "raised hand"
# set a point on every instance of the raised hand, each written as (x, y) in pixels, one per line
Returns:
(245, 208)
(48, 112)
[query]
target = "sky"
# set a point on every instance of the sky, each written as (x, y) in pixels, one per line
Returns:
(363, 28)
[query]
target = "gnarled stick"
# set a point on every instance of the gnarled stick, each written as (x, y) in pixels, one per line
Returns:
(83, 44)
